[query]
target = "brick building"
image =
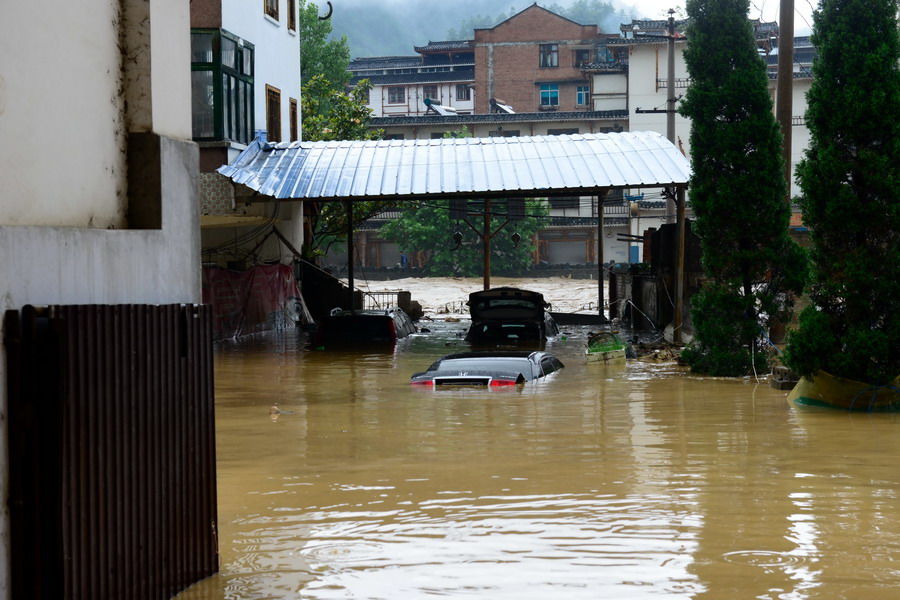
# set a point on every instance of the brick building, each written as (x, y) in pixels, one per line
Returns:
(532, 62)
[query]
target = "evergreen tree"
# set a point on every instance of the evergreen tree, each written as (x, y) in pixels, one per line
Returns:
(737, 191)
(850, 179)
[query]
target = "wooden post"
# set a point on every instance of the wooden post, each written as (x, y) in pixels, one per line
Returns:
(486, 238)
(679, 267)
(600, 296)
(348, 205)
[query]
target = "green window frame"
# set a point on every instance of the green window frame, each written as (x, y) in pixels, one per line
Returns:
(549, 94)
(222, 66)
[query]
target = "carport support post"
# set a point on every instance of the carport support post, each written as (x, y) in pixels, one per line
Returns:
(601, 200)
(487, 243)
(679, 266)
(348, 205)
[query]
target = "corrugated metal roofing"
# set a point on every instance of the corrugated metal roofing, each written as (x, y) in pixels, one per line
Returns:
(487, 167)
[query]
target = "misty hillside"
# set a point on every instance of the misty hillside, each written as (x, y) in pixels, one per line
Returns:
(394, 27)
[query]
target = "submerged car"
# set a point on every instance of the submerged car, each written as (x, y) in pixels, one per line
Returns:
(489, 369)
(509, 316)
(351, 327)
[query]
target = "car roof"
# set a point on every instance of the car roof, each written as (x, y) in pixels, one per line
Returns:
(493, 354)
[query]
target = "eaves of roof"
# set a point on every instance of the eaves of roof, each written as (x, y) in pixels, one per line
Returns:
(461, 76)
(446, 46)
(501, 118)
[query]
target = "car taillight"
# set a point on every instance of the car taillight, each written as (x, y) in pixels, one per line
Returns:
(423, 382)
(392, 330)
(502, 382)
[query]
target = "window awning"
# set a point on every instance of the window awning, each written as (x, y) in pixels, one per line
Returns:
(530, 166)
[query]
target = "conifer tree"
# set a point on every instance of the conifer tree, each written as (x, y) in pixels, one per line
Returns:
(736, 192)
(850, 180)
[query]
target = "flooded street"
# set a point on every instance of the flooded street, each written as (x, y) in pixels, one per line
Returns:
(634, 481)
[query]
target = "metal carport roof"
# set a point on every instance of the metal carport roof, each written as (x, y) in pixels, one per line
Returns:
(532, 166)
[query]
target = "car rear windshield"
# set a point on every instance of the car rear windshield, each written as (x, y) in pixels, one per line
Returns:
(504, 364)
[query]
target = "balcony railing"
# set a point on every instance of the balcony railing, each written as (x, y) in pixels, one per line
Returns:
(680, 82)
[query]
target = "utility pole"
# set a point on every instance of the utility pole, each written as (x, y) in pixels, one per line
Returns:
(784, 92)
(670, 99)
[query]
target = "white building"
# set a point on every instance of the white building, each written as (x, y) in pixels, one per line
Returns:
(245, 68)
(99, 201)
(443, 72)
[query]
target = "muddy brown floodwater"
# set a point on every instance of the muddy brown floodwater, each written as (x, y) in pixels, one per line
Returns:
(636, 481)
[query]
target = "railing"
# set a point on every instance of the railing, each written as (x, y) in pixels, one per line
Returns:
(680, 82)
(380, 300)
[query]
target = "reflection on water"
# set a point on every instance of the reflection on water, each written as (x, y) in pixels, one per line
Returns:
(632, 481)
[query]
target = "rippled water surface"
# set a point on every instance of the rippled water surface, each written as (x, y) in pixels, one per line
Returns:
(637, 481)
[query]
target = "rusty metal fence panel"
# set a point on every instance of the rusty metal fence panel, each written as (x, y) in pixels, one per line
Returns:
(112, 450)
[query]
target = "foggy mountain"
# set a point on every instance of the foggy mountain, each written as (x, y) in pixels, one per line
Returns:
(394, 27)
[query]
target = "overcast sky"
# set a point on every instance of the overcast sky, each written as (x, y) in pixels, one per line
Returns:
(767, 10)
(402, 24)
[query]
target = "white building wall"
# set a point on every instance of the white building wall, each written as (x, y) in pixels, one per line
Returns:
(65, 187)
(277, 55)
(647, 64)
(415, 100)
(52, 104)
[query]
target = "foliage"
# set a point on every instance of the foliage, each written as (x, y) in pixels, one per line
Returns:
(329, 114)
(737, 191)
(347, 118)
(850, 178)
(426, 227)
(318, 54)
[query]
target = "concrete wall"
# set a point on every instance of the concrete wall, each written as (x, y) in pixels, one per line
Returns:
(52, 152)
(99, 202)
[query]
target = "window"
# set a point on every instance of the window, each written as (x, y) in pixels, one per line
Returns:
(430, 91)
(549, 94)
(582, 95)
(566, 131)
(273, 114)
(292, 14)
(221, 86)
(582, 57)
(271, 7)
(564, 202)
(463, 92)
(295, 122)
(396, 95)
(504, 133)
(393, 136)
(437, 135)
(549, 55)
